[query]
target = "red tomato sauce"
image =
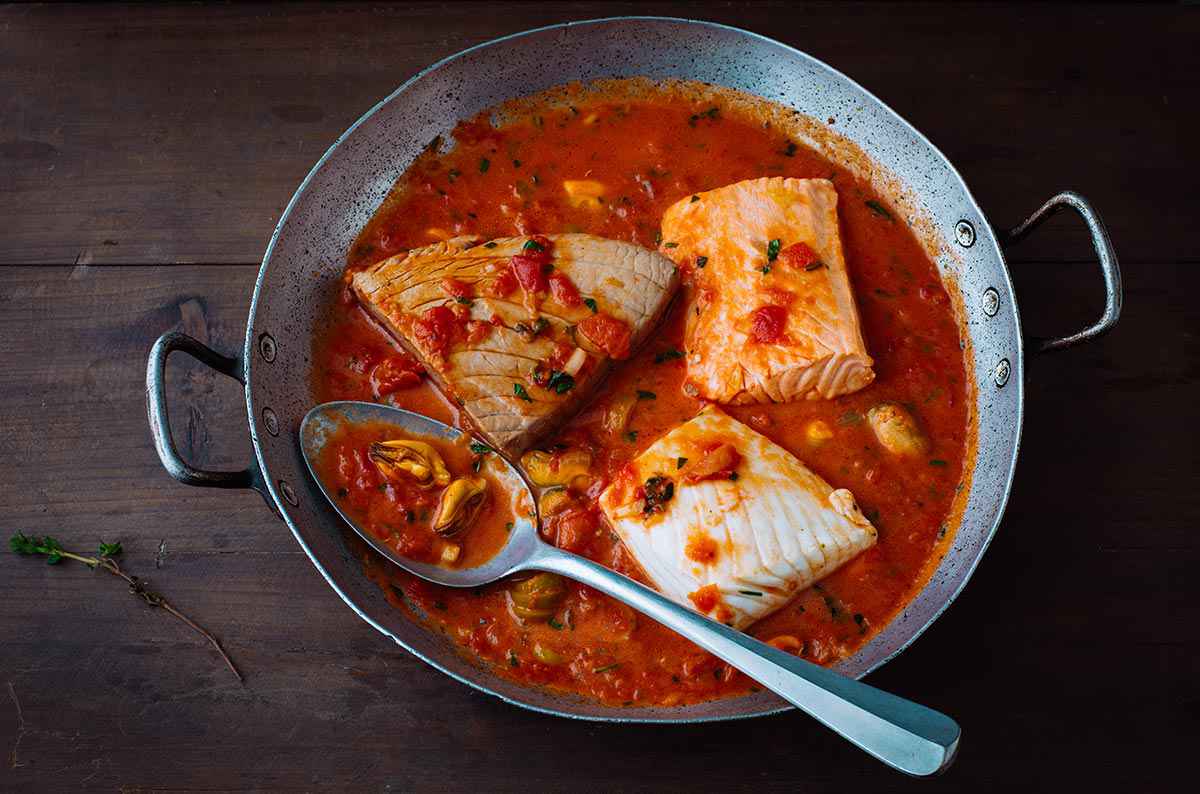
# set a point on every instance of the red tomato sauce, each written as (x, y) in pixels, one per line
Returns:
(648, 154)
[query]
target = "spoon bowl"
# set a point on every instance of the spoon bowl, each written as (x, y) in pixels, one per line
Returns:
(905, 735)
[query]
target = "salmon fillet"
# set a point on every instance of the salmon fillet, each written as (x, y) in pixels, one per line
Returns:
(519, 330)
(772, 315)
(738, 538)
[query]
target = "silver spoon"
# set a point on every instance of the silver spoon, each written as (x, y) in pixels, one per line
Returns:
(904, 735)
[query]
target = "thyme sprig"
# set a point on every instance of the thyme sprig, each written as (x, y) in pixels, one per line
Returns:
(105, 560)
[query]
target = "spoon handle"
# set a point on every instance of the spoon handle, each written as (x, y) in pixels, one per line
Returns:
(904, 735)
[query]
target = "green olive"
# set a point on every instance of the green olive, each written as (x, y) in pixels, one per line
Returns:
(537, 597)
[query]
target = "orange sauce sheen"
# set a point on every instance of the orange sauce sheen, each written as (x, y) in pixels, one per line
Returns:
(649, 153)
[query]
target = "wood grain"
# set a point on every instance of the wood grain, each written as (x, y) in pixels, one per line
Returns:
(178, 134)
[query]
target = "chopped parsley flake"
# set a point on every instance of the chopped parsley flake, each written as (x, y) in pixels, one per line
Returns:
(701, 261)
(520, 392)
(773, 249)
(646, 395)
(484, 165)
(591, 304)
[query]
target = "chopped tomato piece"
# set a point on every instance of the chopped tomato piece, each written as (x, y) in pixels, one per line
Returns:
(456, 289)
(530, 272)
(767, 322)
(576, 528)
(706, 598)
(393, 374)
(563, 289)
(607, 333)
(434, 330)
(798, 255)
(503, 285)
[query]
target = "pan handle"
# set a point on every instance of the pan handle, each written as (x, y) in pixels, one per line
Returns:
(1109, 269)
(156, 409)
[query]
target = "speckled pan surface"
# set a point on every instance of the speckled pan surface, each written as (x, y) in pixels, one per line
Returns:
(303, 263)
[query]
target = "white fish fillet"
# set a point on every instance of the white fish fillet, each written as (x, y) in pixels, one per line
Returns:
(777, 528)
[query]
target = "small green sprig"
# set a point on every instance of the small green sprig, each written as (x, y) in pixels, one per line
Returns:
(54, 553)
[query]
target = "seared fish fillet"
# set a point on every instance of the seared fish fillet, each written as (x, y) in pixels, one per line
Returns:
(773, 316)
(519, 330)
(737, 537)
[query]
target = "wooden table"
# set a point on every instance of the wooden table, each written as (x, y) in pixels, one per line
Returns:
(145, 154)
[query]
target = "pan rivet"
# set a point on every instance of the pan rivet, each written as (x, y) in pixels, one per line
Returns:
(964, 232)
(1001, 372)
(271, 421)
(288, 493)
(991, 302)
(266, 346)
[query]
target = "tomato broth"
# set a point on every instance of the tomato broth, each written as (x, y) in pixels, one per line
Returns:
(505, 179)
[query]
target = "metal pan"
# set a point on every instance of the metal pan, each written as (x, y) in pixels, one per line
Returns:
(303, 263)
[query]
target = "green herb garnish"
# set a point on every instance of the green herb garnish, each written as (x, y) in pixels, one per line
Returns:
(484, 165)
(773, 249)
(533, 245)
(680, 463)
(937, 462)
(520, 392)
(463, 301)
(671, 245)
(765, 269)
(701, 261)
(554, 624)
(754, 593)
(810, 267)
(695, 199)
(849, 418)
(790, 149)
(607, 667)
(480, 449)
(453, 174)
(658, 491)
(560, 382)
(658, 237)
(591, 304)
(489, 244)
(54, 553)
(667, 355)
(631, 436)
(646, 395)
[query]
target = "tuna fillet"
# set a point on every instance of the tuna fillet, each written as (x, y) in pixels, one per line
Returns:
(519, 330)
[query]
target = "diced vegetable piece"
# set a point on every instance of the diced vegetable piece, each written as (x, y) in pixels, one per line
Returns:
(717, 463)
(897, 430)
(553, 502)
(607, 333)
(575, 362)
(767, 323)
(817, 432)
(618, 414)
(584, 193)
(460, 505)
(450, 553)
(538, 597)
(546, 469)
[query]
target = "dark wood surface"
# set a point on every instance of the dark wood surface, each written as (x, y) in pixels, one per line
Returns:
(132, 139)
